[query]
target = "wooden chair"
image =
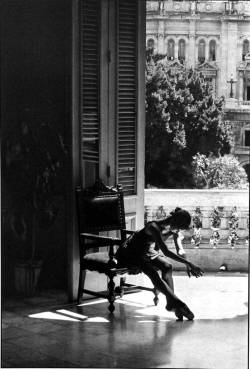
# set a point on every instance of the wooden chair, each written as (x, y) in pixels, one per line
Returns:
(101, 209)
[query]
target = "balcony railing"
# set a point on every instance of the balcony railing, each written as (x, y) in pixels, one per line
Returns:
(244, 102)
(219, 217)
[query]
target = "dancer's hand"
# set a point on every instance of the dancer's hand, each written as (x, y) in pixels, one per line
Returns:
(188, 269)
(195, 270)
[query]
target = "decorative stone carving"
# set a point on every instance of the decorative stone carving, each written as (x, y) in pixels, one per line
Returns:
(215, 217)
(233, 225)
(209, 7)
(160, 213)
(177, 7)
(197, 225)
(208, 69)
(193, 7)
(160, 35)
(161, 5)
(152, 5)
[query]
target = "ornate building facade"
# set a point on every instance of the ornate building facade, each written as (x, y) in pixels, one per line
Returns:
(212, 37)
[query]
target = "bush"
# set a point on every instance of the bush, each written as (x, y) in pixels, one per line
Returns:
(182, 119)
(221, 172)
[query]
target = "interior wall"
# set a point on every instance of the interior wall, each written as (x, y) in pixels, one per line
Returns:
(35, 75)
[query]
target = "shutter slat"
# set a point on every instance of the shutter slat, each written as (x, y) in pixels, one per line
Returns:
(126, 109)
(89, 79)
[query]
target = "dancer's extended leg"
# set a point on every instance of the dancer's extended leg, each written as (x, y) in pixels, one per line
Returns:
(161, 285)
(173, 302)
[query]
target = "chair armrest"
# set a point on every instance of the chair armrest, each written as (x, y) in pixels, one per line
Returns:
(108, 240)
(128, 231)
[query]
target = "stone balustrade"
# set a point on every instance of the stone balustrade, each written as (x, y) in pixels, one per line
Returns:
(159, 203)
(206, 200)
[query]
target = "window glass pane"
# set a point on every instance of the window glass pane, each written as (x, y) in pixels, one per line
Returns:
(181, 50)
(212, 47)
(248, 93)
(150, 43)
(171, 49)
(245, 49)
(201, 51)
(247, 138)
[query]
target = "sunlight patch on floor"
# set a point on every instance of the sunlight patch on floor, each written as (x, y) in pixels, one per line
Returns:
(208, 298)
(52, 316)
(72, 314)
(68, 316)
(94, 302)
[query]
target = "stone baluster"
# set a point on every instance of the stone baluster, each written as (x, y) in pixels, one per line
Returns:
(197, 226)
(233, 225)
(215, 217)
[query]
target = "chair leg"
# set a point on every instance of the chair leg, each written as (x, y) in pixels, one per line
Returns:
(111, 294)
(122, 283)
(82, 276)
(156, 298)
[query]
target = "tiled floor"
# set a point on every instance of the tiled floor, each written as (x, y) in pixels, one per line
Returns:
(47, 332)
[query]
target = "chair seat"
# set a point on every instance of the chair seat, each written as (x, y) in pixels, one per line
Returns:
(100, 262)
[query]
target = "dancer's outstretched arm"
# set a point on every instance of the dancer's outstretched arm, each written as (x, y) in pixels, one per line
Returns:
(156, 235)
(180, 251)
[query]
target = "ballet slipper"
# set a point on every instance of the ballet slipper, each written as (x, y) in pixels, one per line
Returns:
(182, 311)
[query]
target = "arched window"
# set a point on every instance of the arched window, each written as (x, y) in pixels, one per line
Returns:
(181, 51)
(150, 43)
(212, 50)
(201, 51)
(245, 49)
(171, 46)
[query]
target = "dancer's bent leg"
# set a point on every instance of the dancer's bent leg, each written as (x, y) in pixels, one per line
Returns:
(166, 269)
(162, 264)
(162, 286)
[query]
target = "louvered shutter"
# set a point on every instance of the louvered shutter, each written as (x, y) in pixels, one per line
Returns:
(89, 79)
(126, 94)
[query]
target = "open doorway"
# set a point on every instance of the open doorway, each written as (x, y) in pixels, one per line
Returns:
(187, 135)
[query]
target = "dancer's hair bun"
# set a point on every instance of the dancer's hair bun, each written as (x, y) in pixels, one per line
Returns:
(175, 210)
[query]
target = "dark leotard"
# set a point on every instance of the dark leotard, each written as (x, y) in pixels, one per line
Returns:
(137, 248)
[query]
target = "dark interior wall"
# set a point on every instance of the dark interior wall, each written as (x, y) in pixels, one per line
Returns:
(35, 75)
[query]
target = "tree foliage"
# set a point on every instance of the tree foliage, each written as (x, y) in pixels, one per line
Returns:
(222, 172)
(182, 119)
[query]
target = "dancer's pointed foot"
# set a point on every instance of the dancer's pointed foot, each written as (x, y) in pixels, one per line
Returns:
(182, 311)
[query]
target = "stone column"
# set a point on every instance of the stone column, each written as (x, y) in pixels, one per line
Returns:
(176, 49)
(232, 52)
(241, 85)
(222, 85)
(191, 52)
(161, 46)
(207, 50)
